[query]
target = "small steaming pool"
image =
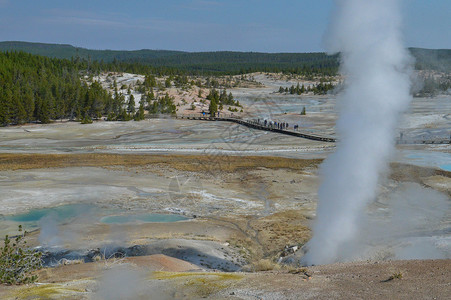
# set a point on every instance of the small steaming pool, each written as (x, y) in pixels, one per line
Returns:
(60, 213)
(143, 218)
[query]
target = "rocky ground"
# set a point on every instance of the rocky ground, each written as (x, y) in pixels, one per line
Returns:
(245, 216)
(249, 198)
(163, 277)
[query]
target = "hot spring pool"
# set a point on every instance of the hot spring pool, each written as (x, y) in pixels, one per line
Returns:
(71, 212)
(146, 218)
(59, 213)
(436, 159)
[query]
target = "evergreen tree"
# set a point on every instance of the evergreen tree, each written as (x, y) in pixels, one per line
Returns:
(5, 105)
(131, 105)
(44, 112)
(140, 113)
(213, 107)
(28, 100)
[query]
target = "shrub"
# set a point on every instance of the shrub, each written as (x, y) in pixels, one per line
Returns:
(397, 275)
(265, 265)
(17, 263)
(86, 120)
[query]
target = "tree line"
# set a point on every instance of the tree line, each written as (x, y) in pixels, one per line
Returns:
(318, 89)
(163, 62)
(36, 88)
(41, 89)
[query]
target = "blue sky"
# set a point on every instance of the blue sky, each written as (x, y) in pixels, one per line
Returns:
(201, 25)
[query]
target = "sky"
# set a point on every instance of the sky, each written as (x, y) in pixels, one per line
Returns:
(202, 25)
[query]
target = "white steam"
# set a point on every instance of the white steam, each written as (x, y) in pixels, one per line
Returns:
(411, 222)
(377, 69)
(49, 234)
(123, 282)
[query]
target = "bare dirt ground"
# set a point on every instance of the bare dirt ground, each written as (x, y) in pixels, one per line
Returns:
(255, 220)
(168, 278)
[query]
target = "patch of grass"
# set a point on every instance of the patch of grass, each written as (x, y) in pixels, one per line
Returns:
(203, 284)
(193, 163)
(396, 275)
(44, 291)
(264, 264)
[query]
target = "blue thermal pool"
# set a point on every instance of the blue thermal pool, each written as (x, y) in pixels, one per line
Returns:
(59, 213)
(72, 212)
(428, 159)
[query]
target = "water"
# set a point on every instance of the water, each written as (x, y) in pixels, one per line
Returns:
(146, 218)
(61, 213)
(71, 212)
(436, 159)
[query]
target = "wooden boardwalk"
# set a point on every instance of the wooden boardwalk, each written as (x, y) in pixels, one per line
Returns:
(305, 135)
(259, 126)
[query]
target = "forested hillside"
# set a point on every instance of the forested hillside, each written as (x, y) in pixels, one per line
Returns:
(68, 52)
(219, 63)
(36, 88)
(178, 62)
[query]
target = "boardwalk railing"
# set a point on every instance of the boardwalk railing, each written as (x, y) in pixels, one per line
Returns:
(257, 125)
(271, 127)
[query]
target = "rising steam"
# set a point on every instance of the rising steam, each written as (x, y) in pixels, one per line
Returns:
(377, 68)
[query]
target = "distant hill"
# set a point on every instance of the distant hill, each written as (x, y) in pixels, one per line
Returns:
(198, 62)
(224, 62)
(68, 51)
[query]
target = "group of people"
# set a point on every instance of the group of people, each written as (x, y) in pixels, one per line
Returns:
(276, 125)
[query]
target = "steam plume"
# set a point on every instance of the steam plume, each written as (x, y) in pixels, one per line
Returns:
(376, 67)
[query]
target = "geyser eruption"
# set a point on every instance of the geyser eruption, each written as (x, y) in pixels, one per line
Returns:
(376, 67)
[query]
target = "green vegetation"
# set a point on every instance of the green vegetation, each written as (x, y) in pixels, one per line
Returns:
(162, 62)
(65, 51)
(318, 89)
(164, 105)
(217, 101)
(203, 284)
(40, 89)
(396, 275)
(35, 88)
(18, 263)
(219, 63)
